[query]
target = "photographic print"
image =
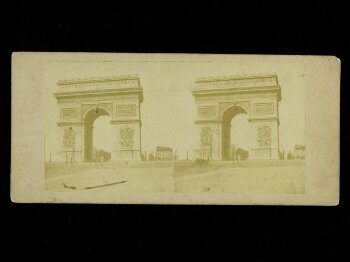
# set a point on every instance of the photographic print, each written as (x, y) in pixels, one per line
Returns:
(175, 125)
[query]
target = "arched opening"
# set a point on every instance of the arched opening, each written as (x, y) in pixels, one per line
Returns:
(98, 136)
(235, 134)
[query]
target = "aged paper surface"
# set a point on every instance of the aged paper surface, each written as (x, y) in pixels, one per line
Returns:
(175, 129)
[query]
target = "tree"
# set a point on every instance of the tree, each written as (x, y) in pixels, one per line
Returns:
(103, 156)
(290, 156)
(241, 153)
(175, 156)
(281, 155)
(151, 157)
(143, 157)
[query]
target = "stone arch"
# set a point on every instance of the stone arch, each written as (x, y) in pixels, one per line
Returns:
(81, 101)
(257, 96)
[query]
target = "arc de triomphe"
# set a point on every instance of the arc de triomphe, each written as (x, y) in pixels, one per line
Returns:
(82, 101)
(219, 99)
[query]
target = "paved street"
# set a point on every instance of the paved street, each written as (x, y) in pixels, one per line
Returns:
(119, 179)
(282, 178)
(274, 179)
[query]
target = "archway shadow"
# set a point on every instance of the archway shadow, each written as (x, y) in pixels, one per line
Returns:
(227, 117)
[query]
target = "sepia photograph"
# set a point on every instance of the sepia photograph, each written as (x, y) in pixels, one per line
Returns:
(175, 127)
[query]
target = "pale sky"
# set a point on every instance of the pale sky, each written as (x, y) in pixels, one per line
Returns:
(168, 111)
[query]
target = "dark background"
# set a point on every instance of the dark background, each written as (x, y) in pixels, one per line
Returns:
(220, 233)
